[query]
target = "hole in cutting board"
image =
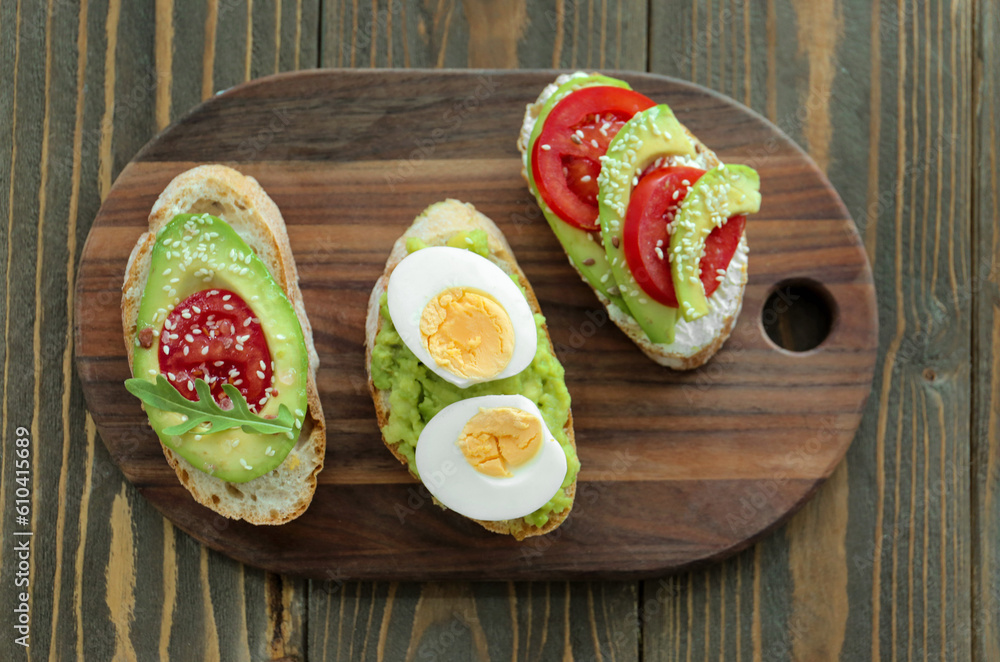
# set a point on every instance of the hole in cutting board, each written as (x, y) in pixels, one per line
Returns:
(798, 314)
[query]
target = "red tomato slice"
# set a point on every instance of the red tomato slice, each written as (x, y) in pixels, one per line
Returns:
(654, 203)
(565, 158)
(213, 335)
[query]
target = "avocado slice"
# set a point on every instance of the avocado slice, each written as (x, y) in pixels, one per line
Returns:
(720, 193)
(586, 254)
(653, 133)
(194, 253)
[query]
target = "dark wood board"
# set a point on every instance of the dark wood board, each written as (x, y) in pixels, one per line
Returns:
(677, 467)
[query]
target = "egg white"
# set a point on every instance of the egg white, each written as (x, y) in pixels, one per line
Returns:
(424, 274)
(455, 483)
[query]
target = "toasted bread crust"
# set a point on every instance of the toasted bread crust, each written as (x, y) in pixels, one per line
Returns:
(283, 494)
(659, 353)
(450, 217)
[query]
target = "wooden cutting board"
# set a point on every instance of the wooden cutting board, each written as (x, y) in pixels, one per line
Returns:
(678, 468)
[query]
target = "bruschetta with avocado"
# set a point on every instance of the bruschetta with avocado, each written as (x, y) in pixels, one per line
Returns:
(468, 391)
(649, 216)
(221, 349)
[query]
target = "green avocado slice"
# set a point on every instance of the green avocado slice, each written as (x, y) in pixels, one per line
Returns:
(718, 194)
(200, 252)
(653, 133)
(586, 254)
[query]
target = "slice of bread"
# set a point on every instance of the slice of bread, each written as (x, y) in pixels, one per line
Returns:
(434, 227)
(284, 493)
(707, 335)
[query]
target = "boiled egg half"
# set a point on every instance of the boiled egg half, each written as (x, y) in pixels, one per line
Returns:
(461, 315)
(491, 458)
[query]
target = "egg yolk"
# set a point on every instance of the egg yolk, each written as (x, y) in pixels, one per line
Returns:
(467, 333)
(501, 438)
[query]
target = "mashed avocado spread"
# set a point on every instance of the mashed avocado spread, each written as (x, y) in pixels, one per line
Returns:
(416, 394)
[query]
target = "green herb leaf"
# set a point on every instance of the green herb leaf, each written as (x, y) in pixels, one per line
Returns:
(163, 395)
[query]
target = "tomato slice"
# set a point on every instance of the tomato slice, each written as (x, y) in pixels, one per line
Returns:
(213, 335)
(654, 203)
(565, 157)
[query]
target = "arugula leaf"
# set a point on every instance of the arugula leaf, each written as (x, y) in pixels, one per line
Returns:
(163, 395)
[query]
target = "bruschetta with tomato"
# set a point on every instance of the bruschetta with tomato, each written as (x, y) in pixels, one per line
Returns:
(649, 216)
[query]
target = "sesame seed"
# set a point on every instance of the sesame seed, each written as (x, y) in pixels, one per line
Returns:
(260, 374)
(166, 349)
(204, 350)
(585, 178)
(172, 376)
(245, 465)
(227, 297)
(186, 350)
(262, 365)
(188, 337)
(227, 307)
(299, 413)
(152, 372)
(594, 144)
(546, 147)
(218, 364)
(190, 385)
(246, 322)
(280, 336)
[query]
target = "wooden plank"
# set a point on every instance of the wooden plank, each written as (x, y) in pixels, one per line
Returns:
(89, 84)
(877, 565)
(564, 34)
(986, 342)
(483, 34)
(480, 621)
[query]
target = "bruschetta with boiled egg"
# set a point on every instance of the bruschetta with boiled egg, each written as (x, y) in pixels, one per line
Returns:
(468, 391)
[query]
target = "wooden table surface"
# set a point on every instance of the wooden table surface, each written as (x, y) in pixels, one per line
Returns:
(896, 557)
